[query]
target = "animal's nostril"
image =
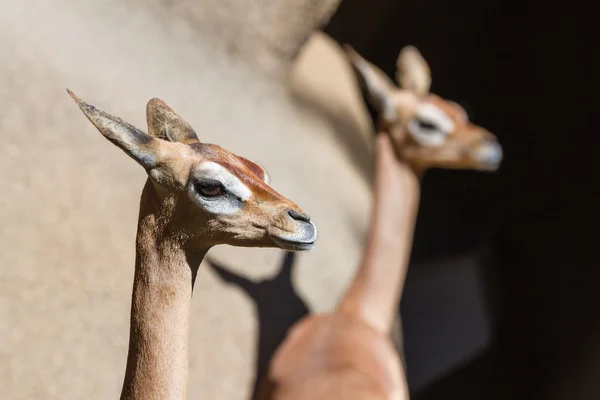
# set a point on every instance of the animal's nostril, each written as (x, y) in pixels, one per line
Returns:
(298, 216)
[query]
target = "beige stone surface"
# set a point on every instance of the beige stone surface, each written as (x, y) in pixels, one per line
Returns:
(69, 199)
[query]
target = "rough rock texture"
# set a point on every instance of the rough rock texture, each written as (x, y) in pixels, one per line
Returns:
(69, 199)
(263, 34)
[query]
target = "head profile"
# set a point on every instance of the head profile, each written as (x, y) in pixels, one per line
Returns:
(428, 131)
(216, 197)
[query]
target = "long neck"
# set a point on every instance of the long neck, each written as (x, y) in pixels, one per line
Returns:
(157, 362)
(375, 291)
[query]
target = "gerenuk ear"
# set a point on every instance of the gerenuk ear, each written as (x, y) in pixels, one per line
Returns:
(412, 71)
(157, 156)
(374, 83)
(164, 123)
(143, 148)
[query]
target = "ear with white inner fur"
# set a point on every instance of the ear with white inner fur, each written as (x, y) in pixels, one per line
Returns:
(377, 86)
(412, 71)
(166, 124)
(151, 153)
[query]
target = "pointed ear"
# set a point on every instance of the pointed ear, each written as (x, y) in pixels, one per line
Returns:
(166, 124)
(412, 71)
(141, 147)
(256, 169)
(374, 83)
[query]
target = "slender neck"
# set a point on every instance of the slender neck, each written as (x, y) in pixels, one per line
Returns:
(157, 362)
(375, 291)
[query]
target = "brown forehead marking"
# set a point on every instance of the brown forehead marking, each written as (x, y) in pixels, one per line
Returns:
(454, 112)
(260, 190)
(235, 165)
(252, 166)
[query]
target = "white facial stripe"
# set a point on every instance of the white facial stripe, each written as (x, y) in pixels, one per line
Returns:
(435, 137)
(430, 112)
(219, 206)
(232, 183)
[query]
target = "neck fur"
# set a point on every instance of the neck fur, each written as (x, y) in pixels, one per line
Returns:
(157, 362)
(375, 291)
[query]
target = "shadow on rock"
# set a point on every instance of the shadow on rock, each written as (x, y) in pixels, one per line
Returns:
(278, 307)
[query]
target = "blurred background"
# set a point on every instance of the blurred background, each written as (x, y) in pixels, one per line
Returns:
(501, 299)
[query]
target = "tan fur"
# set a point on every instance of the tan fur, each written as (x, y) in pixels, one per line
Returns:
(412, 71)
(347, 354)
(173, 236)
(397, 107)
(340, 355)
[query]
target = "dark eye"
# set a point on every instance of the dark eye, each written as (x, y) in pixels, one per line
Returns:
(209, 188)
(426, 125)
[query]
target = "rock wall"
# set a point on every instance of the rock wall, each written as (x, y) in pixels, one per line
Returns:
(68, 209)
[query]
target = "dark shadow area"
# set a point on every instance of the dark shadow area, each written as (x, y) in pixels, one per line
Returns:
(525, 71)
(455, 205)
(476, 379)
(277, 304)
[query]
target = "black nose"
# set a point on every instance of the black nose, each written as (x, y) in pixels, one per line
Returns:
(298, 217)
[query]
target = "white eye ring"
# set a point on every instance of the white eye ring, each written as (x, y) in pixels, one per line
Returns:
(430, 136)
(430, 125)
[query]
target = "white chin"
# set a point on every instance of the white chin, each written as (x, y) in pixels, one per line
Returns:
(293, 245)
